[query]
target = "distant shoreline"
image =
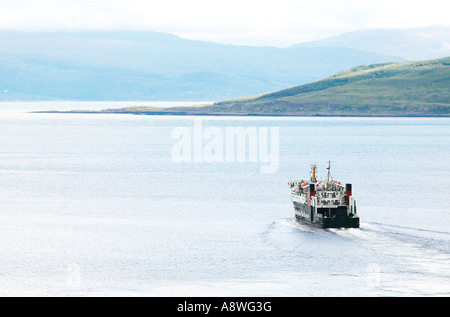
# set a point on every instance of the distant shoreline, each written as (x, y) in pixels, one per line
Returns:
(184, 113)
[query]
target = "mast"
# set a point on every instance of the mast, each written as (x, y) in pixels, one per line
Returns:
(329, 172)
(314, 170)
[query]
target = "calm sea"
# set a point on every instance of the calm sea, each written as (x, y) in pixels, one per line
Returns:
(96, 205)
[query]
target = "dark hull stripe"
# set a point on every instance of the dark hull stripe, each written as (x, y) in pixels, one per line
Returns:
(338, 219)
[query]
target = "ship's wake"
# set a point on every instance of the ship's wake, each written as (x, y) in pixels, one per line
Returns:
(374, 232)
(410, 261)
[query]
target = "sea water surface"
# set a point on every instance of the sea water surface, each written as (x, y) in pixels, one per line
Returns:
(94, 205)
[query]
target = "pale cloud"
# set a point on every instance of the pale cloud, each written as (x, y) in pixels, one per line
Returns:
(403, 14)
(279, 22)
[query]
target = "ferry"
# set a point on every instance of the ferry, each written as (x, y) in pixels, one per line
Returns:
(326, 203)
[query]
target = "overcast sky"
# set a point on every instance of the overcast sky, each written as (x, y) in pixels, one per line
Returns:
(252, 22)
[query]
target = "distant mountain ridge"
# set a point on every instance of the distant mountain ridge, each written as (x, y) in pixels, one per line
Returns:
(128, 65)
(408, 44)
(153, 66)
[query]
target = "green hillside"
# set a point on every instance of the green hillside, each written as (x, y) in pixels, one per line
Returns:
(407, 88)
(388, 89)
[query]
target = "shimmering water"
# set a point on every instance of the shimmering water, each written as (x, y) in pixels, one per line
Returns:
(95, 205)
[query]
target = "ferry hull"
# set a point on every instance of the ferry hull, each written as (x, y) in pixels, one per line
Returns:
(325, 217)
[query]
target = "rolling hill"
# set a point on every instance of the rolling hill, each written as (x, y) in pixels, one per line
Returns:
(407, 88)
(388, 89)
